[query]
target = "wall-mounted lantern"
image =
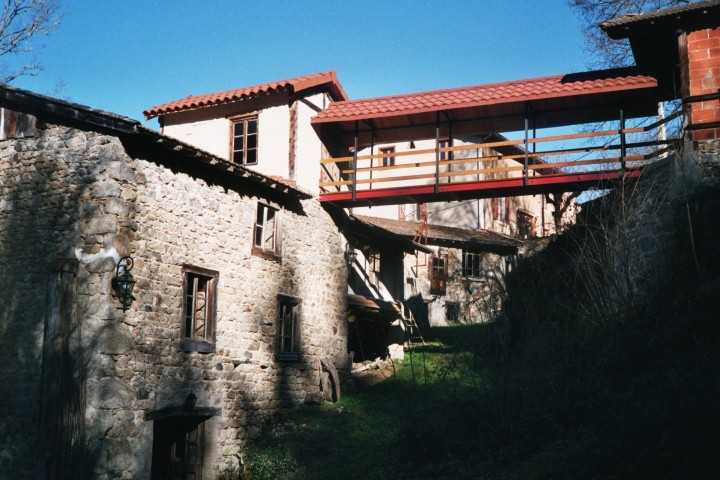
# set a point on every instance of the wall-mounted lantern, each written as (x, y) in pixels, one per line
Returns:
(124, 282)
(190, 402)
(350, 253)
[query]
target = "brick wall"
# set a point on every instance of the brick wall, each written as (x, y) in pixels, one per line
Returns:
(704, 76)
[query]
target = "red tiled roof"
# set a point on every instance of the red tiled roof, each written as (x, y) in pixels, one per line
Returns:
(490, 94)
(296, 85)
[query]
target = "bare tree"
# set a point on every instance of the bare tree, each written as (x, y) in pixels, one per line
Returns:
(21, 23)
(607, 53)
(561, 203)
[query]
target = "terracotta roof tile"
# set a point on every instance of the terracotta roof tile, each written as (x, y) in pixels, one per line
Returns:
(489, 94)
(296, 85)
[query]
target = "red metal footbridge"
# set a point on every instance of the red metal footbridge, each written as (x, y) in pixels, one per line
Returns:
(551, 134)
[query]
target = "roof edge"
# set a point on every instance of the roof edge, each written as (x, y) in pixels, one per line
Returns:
(327, 80)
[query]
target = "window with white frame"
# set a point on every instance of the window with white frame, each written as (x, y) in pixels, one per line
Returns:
(288, 328)
(199, 301)
(372, 266)
(471, 264)
(266, 238)
(245, 140)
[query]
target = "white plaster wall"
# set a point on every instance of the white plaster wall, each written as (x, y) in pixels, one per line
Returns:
(308, 147)
(211, 135)
(273, 138)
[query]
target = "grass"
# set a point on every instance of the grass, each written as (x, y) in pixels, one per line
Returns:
(452, 410)
(372, 434)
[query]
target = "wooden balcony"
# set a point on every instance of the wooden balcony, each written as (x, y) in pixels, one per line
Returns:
(495, 167)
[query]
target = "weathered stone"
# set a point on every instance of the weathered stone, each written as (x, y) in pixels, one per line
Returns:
(112, 340)
(106, 189)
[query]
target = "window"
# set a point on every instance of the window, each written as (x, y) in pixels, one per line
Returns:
(388, 158)
(452, 312)
(288, 328)
(525, 224)
(501, 209)
(471, 264)
(199, 294)
(266, 241)
(372, 266)
(438, 274)
(245, 141)
(445, 143)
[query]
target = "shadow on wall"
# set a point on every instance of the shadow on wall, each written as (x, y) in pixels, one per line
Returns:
(42, 352)
(419, 309)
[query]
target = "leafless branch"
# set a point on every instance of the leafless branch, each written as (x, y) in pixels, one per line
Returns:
(23, 21)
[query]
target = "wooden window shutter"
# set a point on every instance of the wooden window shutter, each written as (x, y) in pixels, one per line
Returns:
(507, 209)
(278, 233)
(495, 208)
(438, 274)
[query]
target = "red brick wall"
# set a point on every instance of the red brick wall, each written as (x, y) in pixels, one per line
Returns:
(704, 74)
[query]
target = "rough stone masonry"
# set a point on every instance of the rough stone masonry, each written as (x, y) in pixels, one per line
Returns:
(72, 202)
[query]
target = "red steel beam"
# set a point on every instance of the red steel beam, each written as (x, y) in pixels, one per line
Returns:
(507, 187)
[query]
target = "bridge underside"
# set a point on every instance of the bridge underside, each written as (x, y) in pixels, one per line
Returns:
(508, 187)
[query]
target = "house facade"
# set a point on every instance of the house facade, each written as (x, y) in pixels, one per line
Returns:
(236, 313)
(458, 277)
(265, 127)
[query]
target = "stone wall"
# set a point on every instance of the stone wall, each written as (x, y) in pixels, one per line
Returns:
(476, 297)
(74, 194)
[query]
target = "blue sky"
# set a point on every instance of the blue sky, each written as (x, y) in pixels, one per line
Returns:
(125, 56)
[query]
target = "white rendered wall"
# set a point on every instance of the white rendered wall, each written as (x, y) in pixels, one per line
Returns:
(211, 135)
(308, 147)
(210, 129)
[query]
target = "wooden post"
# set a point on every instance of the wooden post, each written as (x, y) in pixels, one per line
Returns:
(372, 152)
(623, 153)
(437, 151)
(527, 146)
(355, 155)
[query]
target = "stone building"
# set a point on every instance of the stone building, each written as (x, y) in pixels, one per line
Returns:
(458, 274)
(238, 301)
(268, 128)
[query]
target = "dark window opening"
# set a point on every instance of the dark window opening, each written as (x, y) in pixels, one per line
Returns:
(388, 158)
(199, 296)
(445, 155)
(526, 225)
(372, 266)
(452, 312)
(471, 264)
(288, 328)
(178, 444)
